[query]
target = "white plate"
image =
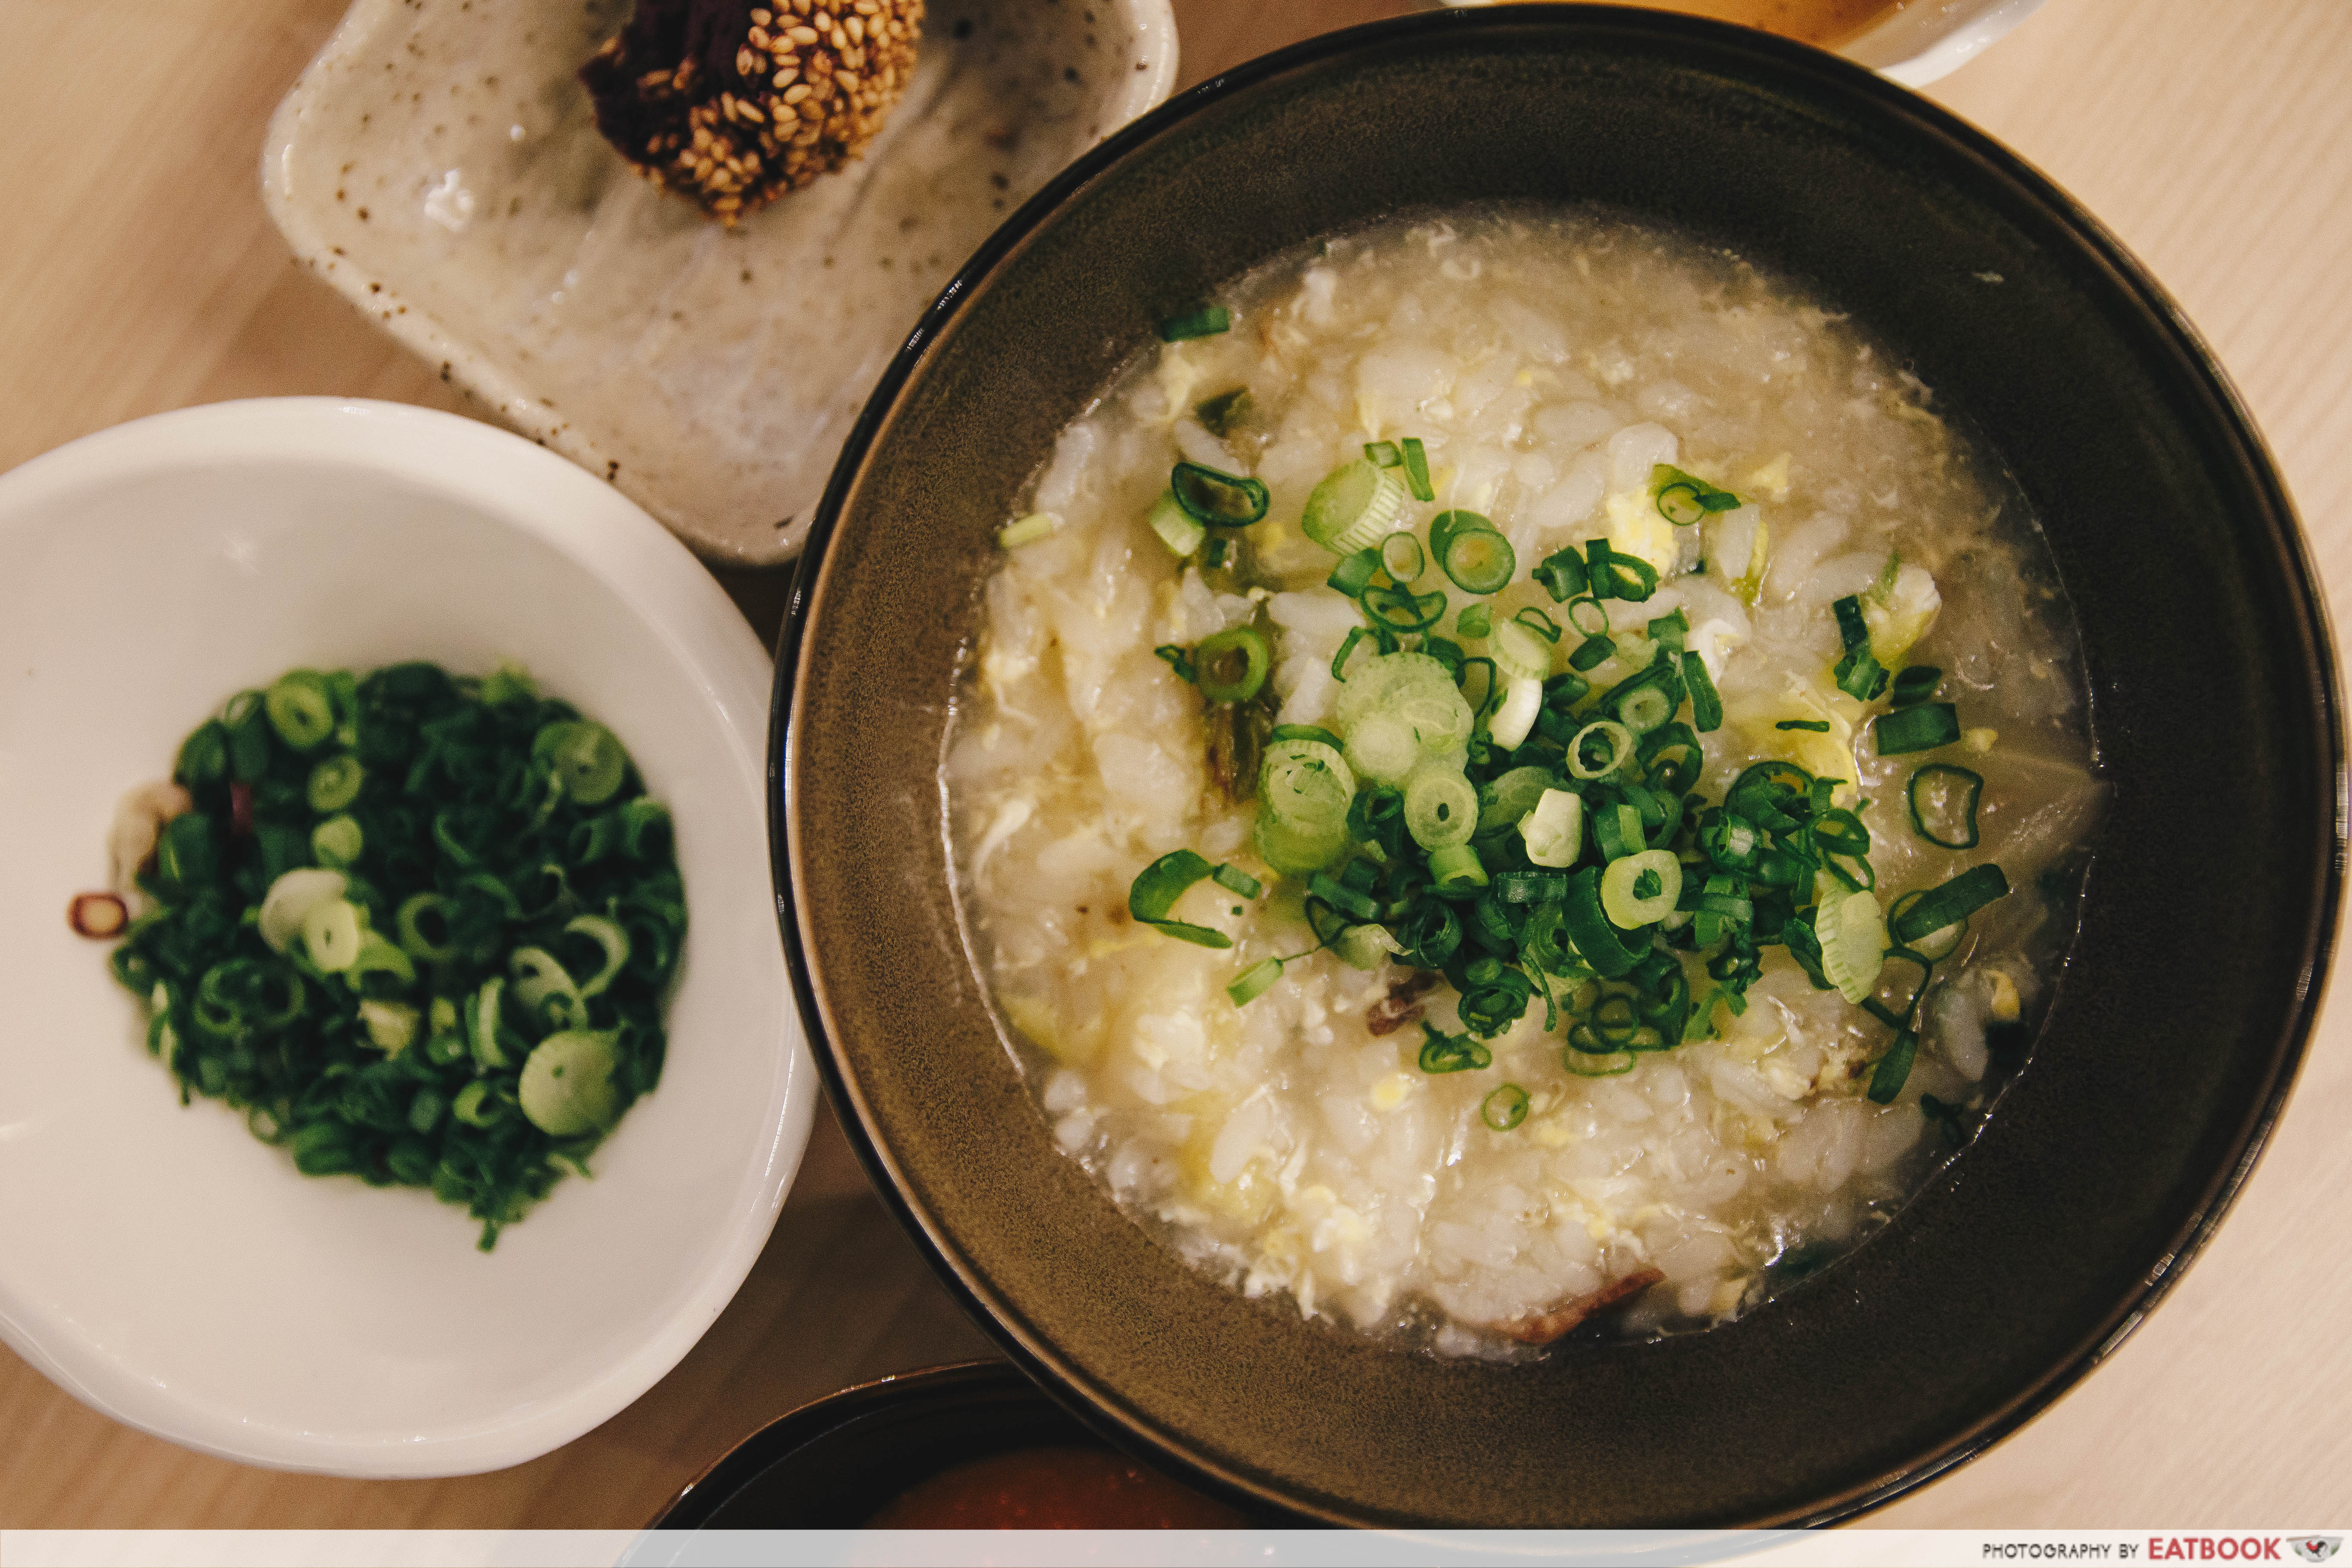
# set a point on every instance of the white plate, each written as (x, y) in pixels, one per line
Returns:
(158, 1261)
(438, 164)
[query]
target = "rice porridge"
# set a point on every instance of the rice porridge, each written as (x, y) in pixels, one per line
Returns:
(1518, 775)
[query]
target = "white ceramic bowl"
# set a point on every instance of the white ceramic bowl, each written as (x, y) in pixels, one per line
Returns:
(158, 1261)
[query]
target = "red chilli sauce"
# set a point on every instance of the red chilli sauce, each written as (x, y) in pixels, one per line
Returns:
(1051, 1489)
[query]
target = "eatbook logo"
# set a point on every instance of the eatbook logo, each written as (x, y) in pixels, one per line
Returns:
(2316, 1548)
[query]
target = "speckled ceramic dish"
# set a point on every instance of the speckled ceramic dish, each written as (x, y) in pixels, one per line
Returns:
(437, 164)
(2212, 900)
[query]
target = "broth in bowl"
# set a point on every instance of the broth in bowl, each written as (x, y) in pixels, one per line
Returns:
(1518, 773)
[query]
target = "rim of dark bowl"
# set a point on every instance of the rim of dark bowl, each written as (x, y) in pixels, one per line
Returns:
(2130, 279)
(708, 1493)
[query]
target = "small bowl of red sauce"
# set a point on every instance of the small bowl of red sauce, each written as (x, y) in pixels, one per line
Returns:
(975, 1446)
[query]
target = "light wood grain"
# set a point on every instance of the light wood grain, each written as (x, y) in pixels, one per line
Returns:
(138, 273)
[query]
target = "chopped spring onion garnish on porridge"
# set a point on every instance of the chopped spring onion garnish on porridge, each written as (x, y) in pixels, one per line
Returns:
(1475, 691)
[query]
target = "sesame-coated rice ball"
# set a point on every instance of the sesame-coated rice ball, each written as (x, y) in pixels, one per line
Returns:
(733, 103)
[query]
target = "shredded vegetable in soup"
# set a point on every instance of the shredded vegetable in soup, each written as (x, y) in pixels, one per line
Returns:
(1519, 775)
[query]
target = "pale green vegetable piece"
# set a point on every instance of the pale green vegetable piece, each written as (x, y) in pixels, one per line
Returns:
(1853, 933)
(1440, 806)
(332, 933)
(567, 1083)
(1621, 897)
(390, 1024)
(1383, 747)
(292, 897)
(1555, 829)
(1522, 704)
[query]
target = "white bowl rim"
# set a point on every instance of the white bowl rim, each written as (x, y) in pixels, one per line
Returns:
(644, 566)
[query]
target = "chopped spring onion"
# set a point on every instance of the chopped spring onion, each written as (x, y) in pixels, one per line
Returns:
(1853, 935)
(1945, 796)
(1518, 652)
(1156, 890)
(1355, 573)
(1036, 525)
(1231, 665)
(1585, 764)
(1554, 830)
(1478, 560)
(1222, 415)
(1858, 673)
(1475, 621)
(1591, 653)
(1563, 575)
(1685, 498)
(1178, 661)
(1916, 684)
(1706, 704)
(1589, 927)
(546, 991)
(1615, 575)
(1401, 611)
(1893, 1068)
(1445, 524)
(290, 899)
(1641, 889)
(1918, 728)
(1818, 726)
(1383, 747)
(1305, 789)
(1935, 945)
(1605, 1063)
(1416, 469)
(1456, 866)
(585, 756)
(1340, 896)
(333, 933)
(1215, 498)
(337, 841)
(1306, 732)
(1442, 1053)
(1255, 982)
(1402, 558)
(476, 1106)
(1505, 1108)
(1644, 706)
(1441, 807)
(1507, 800)
(1531, 887)
(1522, 705)
(1353, 507)
(487, 815)
(1953, 903)
(335, 783)
(299, 708)
(566, 1086)
(1384, 453)
(1234, 880)
(1200, 321)
(614, 943)
(1176, 529)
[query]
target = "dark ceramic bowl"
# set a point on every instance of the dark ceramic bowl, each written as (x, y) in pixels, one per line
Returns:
(831, 1464)
(2212, 898)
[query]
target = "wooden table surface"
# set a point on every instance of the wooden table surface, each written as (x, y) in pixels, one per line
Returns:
(2214, 136)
